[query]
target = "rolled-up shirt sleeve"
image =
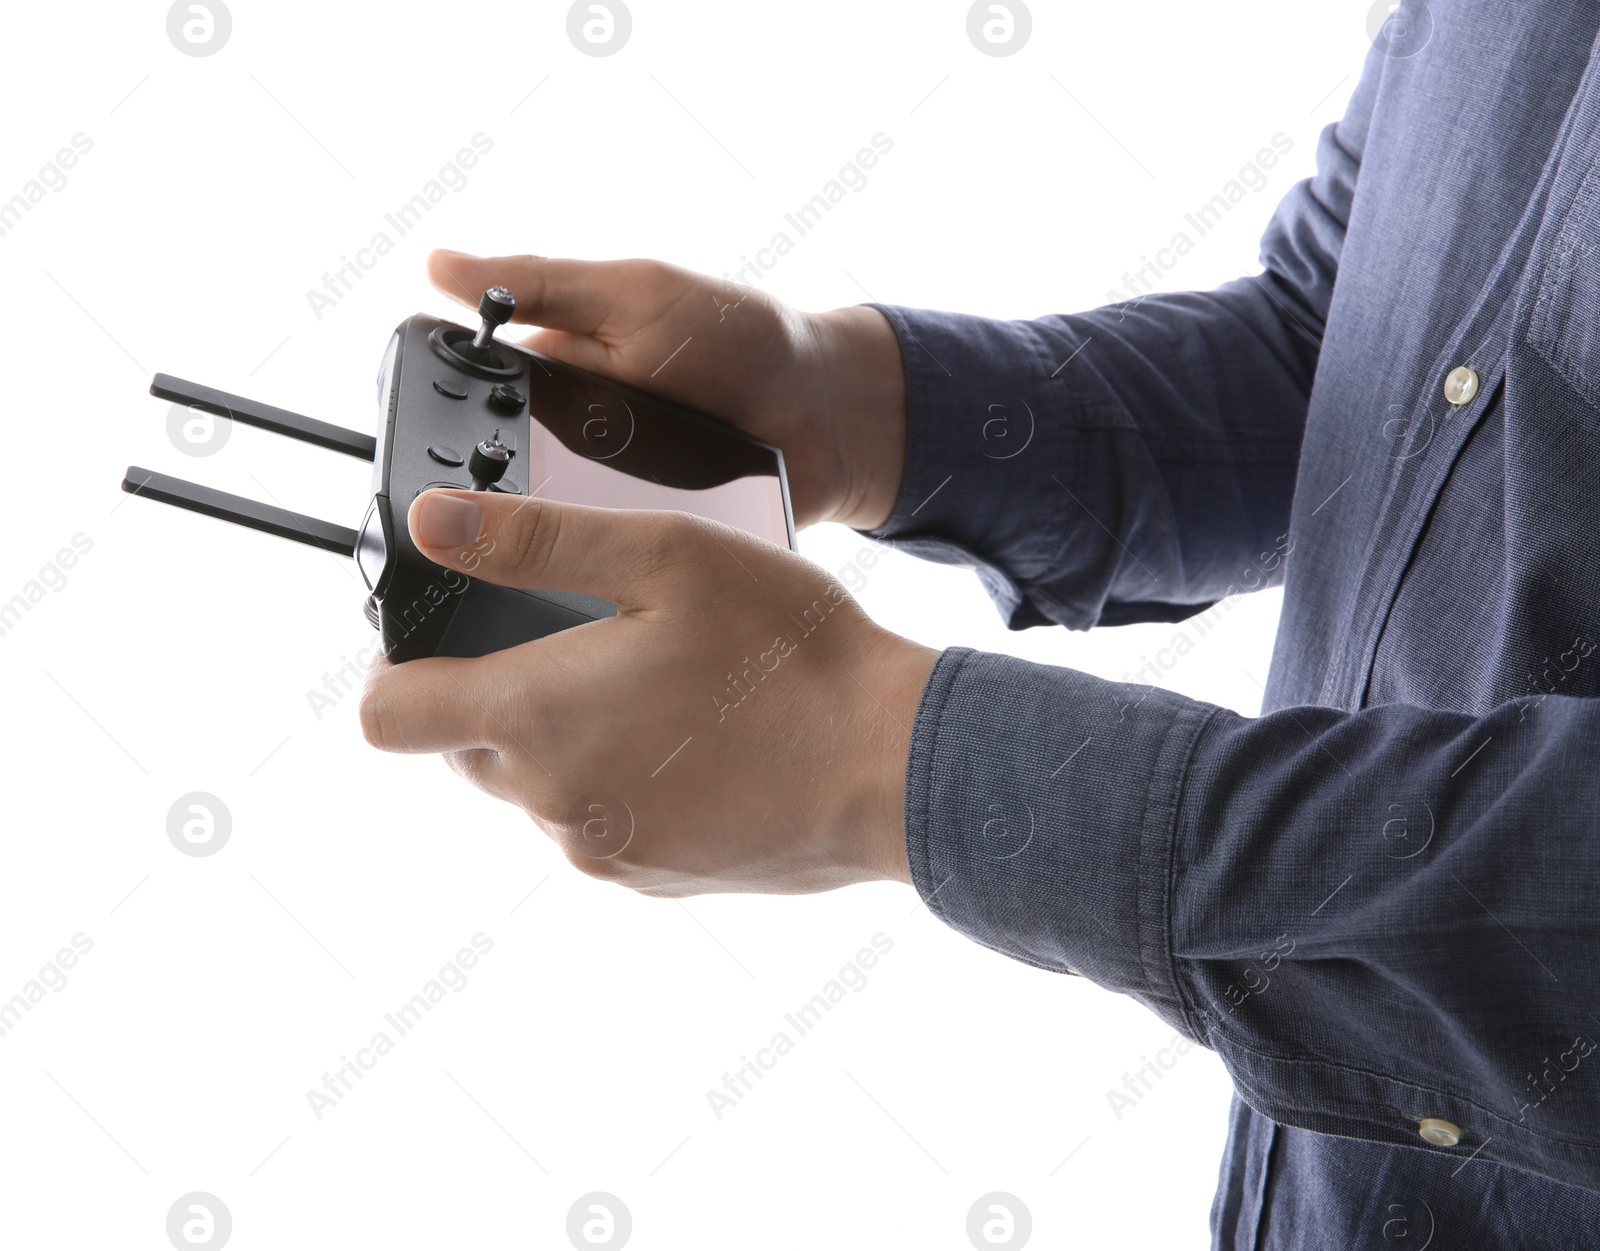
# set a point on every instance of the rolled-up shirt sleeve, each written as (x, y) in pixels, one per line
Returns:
(1376, 918)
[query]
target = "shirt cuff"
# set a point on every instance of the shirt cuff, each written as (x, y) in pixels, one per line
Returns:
(1041, 813)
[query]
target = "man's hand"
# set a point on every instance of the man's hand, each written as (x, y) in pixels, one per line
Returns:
(827, 388)
(740, 725)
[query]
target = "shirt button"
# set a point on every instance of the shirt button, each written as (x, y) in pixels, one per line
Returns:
(1460, 385)
(1441, 1133)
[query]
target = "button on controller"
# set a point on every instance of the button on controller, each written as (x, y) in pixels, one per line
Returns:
(505, 398)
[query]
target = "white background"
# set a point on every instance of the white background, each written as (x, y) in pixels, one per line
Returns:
(178, 654)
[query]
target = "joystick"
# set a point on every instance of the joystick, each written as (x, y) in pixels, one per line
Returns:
(476, 353)
(436, 384)
(489, 462)
(495, 308)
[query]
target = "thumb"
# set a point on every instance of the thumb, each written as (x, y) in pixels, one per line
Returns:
(530, 544)
(575, 296)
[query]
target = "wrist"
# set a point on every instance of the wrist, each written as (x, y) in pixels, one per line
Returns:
(864, 402)
(889, 685)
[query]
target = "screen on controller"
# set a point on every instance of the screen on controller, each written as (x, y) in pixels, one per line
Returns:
(592, 445)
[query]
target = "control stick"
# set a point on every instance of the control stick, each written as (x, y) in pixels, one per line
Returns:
(495, 308)
(489, 462)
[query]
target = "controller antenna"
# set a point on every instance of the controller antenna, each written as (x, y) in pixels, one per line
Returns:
(495, 308)
(489, 462)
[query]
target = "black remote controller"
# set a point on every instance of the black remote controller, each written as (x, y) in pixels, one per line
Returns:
(458, 408)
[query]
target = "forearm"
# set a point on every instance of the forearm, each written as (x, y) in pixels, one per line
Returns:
(1129, 463)
(1374, 917)
(1134, 462)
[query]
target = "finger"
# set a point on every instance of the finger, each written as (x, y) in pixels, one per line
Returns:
(577, 296)
(619, 554)
(434, 704)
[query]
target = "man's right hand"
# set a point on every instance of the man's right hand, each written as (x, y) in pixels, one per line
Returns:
(826, 388)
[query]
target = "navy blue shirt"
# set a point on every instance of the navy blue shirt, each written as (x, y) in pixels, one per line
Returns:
(1379, 901)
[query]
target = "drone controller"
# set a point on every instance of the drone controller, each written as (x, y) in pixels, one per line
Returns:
(459, 408)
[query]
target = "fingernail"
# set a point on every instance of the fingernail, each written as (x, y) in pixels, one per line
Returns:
(448, 520)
